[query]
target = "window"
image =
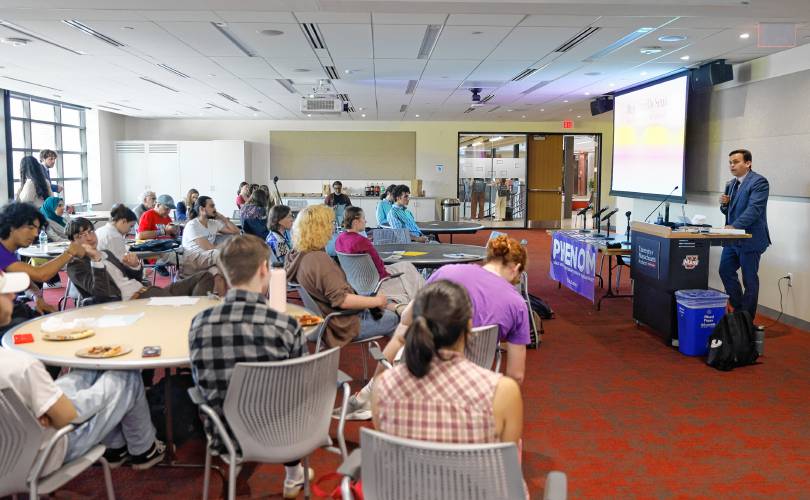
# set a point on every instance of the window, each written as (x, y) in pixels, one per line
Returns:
(44, 124)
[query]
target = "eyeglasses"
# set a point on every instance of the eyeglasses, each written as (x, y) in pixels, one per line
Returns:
(84, 233)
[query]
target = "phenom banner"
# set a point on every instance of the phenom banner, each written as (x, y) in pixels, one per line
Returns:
(573, 263)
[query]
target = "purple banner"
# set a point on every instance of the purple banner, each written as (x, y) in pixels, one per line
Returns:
(573, 263)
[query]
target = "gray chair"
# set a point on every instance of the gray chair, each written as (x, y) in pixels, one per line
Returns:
(73, 293)
(278, 412)
(482, 347)
(20, 439)
(394, 468)
(317, 334)
(361, 273)
(387, 235)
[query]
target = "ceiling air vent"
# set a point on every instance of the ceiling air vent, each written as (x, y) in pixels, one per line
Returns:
(253, 109)
(153, 82)
(287, 84)
(172, 70)
(403, 108)
(494, 109)
(211, 104)
(130, 147)
(344, 97)
(322, 105)
(411, 86)
(535, 87)
(577, 39)
(226, 96)
(331, 72)
(90, 31)
(469, 110)
(19, 29)
(487, 98)
(163, 147)
(429, 40)
(239, 44)
(523, 74)
(29, 83)
(314, 36)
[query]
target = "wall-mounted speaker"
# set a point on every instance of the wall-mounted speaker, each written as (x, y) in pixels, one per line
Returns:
(710, 74)
(601, 105)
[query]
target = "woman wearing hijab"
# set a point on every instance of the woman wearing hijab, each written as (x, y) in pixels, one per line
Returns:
(54, 210)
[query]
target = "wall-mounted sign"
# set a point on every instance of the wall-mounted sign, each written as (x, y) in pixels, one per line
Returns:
(568, 123)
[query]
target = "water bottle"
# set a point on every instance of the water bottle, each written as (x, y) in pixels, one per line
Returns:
(278, 288)
(43, 241)
(759, 339)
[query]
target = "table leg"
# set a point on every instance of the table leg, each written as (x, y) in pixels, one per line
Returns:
(609, 294)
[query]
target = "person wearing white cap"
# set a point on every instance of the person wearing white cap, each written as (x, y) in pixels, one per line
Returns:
(106, 407)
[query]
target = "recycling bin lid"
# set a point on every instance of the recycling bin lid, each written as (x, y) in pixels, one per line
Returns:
(449, 202)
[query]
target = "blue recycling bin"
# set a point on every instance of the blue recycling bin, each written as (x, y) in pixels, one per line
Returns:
(699, 311)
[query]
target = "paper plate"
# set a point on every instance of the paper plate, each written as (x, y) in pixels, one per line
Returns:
(62, 336)
(104, 351)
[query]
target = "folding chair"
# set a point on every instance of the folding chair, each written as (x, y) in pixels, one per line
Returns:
(74, 294)
(482, 347)
(278, 412)
(20, 439)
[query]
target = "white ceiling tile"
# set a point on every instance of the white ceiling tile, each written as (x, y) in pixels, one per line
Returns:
(484, 19)
(398, 69)
(532, 43)
(564, 21)
(179, 15)
(459, 42)
(401, 42)
(348, 40)
(291, 43)
(287, 68)
(203, 37)
(64, 35)
(388, 18)
(146, 37)
(247, 67)
(499, 70)
(334, 17)
(359, 69)
(449, 69)
(255, 16)
(631, 21)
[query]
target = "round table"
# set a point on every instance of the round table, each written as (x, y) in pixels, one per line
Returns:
(95, 216)
(434, 255)
(164, 326)
(56, 249)
(438, 227)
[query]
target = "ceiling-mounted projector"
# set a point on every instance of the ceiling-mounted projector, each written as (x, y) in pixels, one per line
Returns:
(322, 100)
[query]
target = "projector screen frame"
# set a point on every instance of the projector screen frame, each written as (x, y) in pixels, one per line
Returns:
(682, 185)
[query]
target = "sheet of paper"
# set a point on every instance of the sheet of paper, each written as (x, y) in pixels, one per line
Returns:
(413, 254)
(722, 230)
(173, 301)
(117, 320)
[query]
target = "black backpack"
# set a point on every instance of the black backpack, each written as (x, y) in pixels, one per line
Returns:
(541, 307)
(732, 343)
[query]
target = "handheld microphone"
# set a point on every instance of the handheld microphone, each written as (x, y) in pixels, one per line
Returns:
(627, 214)
(662, 202)
(584, 210)
(275, 180)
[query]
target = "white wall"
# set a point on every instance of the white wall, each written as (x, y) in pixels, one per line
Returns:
(103, 129)
(788, 218)
(436, 142)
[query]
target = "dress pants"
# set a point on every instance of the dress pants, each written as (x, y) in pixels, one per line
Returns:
(477, 204)
(734, 258)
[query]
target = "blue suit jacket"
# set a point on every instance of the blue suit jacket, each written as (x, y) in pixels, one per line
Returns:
(748, 210)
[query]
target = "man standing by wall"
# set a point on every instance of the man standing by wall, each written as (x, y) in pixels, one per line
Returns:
(744, 202)
(47, 158)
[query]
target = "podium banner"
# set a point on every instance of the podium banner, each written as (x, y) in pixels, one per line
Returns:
(573, 263)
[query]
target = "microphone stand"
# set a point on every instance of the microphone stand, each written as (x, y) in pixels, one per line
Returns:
(598, 217)
(275, 184)
(666, 198)
(584, 214)
(608, 216)
(627, 235)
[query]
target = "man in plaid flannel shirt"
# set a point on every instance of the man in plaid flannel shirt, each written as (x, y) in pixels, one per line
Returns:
(243, 329)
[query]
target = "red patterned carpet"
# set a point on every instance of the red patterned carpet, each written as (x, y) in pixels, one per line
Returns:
(609, 404)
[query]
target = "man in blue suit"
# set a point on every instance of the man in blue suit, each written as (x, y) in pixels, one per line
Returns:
(744, 202)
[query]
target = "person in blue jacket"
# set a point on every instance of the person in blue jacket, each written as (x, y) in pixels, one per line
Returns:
(744, 203)
(384, 206)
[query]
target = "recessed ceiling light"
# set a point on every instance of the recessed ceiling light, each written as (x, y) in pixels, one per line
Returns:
(651, 50)
(363, 115)
(211, 75)
(416, 116)
(16, 42)
(570, 109)
(255, 114)
(587, 93)
(361, 109)
(565, 100)
(611, 84)
(579, 116)
(643, 73)
(524, 116)
(312, 96)
(127, 28)
(309, 115)
(57, 95)
(684, 58)
(509, 110)
(542, 109)
(671, 38)
(301, 70)
(744, 36)
(270, 32)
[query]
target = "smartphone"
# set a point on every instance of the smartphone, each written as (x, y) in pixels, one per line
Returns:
(151, 351)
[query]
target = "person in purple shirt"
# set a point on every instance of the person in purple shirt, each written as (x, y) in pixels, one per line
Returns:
(495, 301)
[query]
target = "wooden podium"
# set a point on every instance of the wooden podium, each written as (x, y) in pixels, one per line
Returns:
(664, 261)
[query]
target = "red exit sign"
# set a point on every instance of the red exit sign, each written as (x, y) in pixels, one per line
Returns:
(568, 123)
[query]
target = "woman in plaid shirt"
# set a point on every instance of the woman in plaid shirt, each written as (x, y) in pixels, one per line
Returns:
(437, 394)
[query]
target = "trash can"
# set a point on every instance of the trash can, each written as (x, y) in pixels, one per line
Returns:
(450, 207)
(699, 311)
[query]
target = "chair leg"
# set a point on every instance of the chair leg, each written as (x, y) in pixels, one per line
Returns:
(105, 466)
(233, 471)
(206, 473)
(307, 493)
(363, 353)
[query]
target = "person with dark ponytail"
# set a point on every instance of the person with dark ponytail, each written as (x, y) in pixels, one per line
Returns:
(385, 204)
(34, 186)
(437, 394)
